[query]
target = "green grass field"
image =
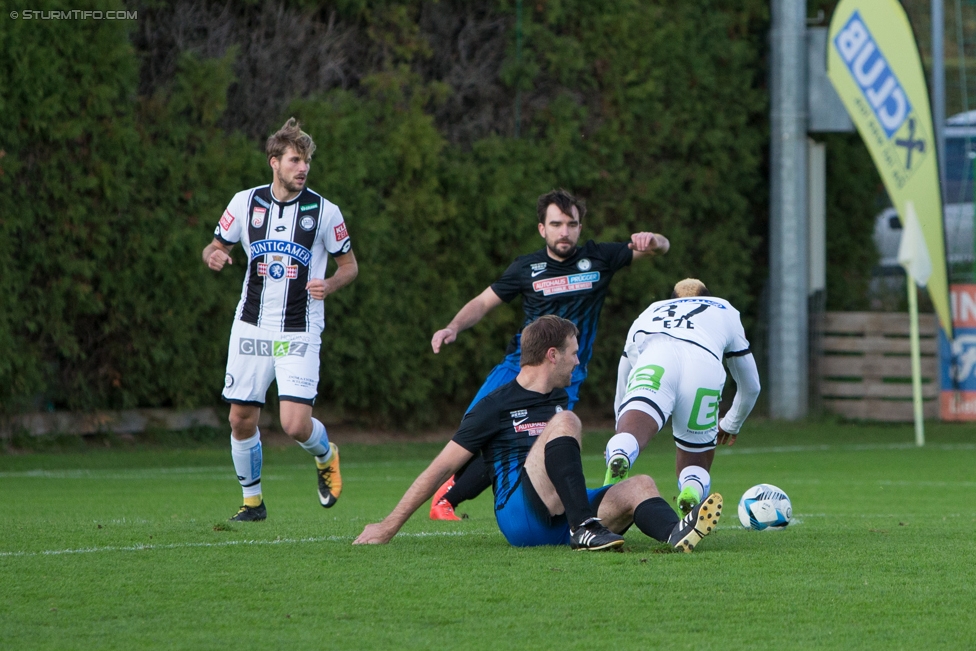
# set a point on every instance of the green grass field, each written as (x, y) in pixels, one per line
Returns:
(129, 548)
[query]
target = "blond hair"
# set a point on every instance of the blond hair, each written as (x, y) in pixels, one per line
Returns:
(689, 287)
(290, 135)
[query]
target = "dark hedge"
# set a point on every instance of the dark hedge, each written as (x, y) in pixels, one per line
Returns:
(654, 112)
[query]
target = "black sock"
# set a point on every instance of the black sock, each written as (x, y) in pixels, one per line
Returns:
(565, 470)
(470, 481)
(655, 518)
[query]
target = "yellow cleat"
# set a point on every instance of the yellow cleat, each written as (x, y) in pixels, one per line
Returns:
(330, 481)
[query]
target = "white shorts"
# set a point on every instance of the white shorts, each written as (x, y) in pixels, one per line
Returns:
(680, 380)
(255, 357)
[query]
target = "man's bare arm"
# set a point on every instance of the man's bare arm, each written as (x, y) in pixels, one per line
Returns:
(648, 244)
(449, 461)
(216, 255)
(345, 273)
(470, 314)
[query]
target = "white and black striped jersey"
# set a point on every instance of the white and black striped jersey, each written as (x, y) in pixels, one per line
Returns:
(287, 244)
(705, 321)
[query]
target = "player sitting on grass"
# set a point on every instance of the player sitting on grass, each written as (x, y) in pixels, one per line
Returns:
(532, 446)
(672, 367)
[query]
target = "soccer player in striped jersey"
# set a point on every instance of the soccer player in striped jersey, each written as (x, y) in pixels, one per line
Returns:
(672, 367)
(287, 232)
(563, 279)
(533, 445)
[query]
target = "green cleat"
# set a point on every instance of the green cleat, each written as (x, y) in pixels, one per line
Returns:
(617, 469)
(687, 499)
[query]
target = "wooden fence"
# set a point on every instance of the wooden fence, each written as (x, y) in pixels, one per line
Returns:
(864, 369)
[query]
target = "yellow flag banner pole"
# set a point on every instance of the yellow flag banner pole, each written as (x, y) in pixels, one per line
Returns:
(916, 360)
(874, 64)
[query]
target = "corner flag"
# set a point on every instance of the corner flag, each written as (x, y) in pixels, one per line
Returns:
(873, 63)
(913, 255)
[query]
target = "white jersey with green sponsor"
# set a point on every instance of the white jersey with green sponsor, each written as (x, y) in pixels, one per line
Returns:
(672, 365)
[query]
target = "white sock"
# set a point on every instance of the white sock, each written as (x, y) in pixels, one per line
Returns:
(696, 477)
(623, 443)
(247, 463)
(318, 443)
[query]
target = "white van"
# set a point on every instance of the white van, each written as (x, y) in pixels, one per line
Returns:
(960, 136)
(958, 235)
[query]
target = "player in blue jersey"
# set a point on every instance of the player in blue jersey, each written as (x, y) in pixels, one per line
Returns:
(563, 279)
(532, 444)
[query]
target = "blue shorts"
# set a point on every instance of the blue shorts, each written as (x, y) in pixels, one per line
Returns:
(509, 368)
(525, 520)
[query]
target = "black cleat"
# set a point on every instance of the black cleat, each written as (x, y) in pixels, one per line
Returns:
(700, 522)
(593, 536)
(251, 513)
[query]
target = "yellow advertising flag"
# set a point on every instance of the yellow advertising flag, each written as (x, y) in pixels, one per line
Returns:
(873, 63)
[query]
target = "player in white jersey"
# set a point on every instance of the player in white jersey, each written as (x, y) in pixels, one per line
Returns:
(287, 232)
(672, 367)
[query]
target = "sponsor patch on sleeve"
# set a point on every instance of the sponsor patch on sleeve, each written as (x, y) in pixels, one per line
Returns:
(340, 232)
(226, 220)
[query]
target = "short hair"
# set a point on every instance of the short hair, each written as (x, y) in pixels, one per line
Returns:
(290, 135)
(689, 287)
(548, 331)
(563, 200)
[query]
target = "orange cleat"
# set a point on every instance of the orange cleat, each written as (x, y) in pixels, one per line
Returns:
(330, 481)
(440, 508)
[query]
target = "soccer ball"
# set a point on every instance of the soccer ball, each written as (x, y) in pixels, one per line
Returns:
(765, 506)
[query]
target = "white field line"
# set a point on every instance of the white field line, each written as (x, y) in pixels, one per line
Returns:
(796, 521)
(232, 543)
(277, 541)
(224, 470)
(184, 474)
(857, 447)
(888, 482)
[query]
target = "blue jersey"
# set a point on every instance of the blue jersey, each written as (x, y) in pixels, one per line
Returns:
(573, 288)
(503, 426)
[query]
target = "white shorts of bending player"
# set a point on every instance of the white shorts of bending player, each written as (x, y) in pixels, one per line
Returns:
(255, 357)
(680, 380)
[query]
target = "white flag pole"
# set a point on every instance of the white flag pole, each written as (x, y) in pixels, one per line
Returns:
(916, 360)
(914, 257)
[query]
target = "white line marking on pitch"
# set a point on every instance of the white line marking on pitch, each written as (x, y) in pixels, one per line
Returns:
(222, 471)
(863, 447)
(231, 543)
(186, 474)
(287, 541)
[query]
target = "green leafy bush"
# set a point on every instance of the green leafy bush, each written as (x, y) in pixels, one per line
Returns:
(654, 112)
